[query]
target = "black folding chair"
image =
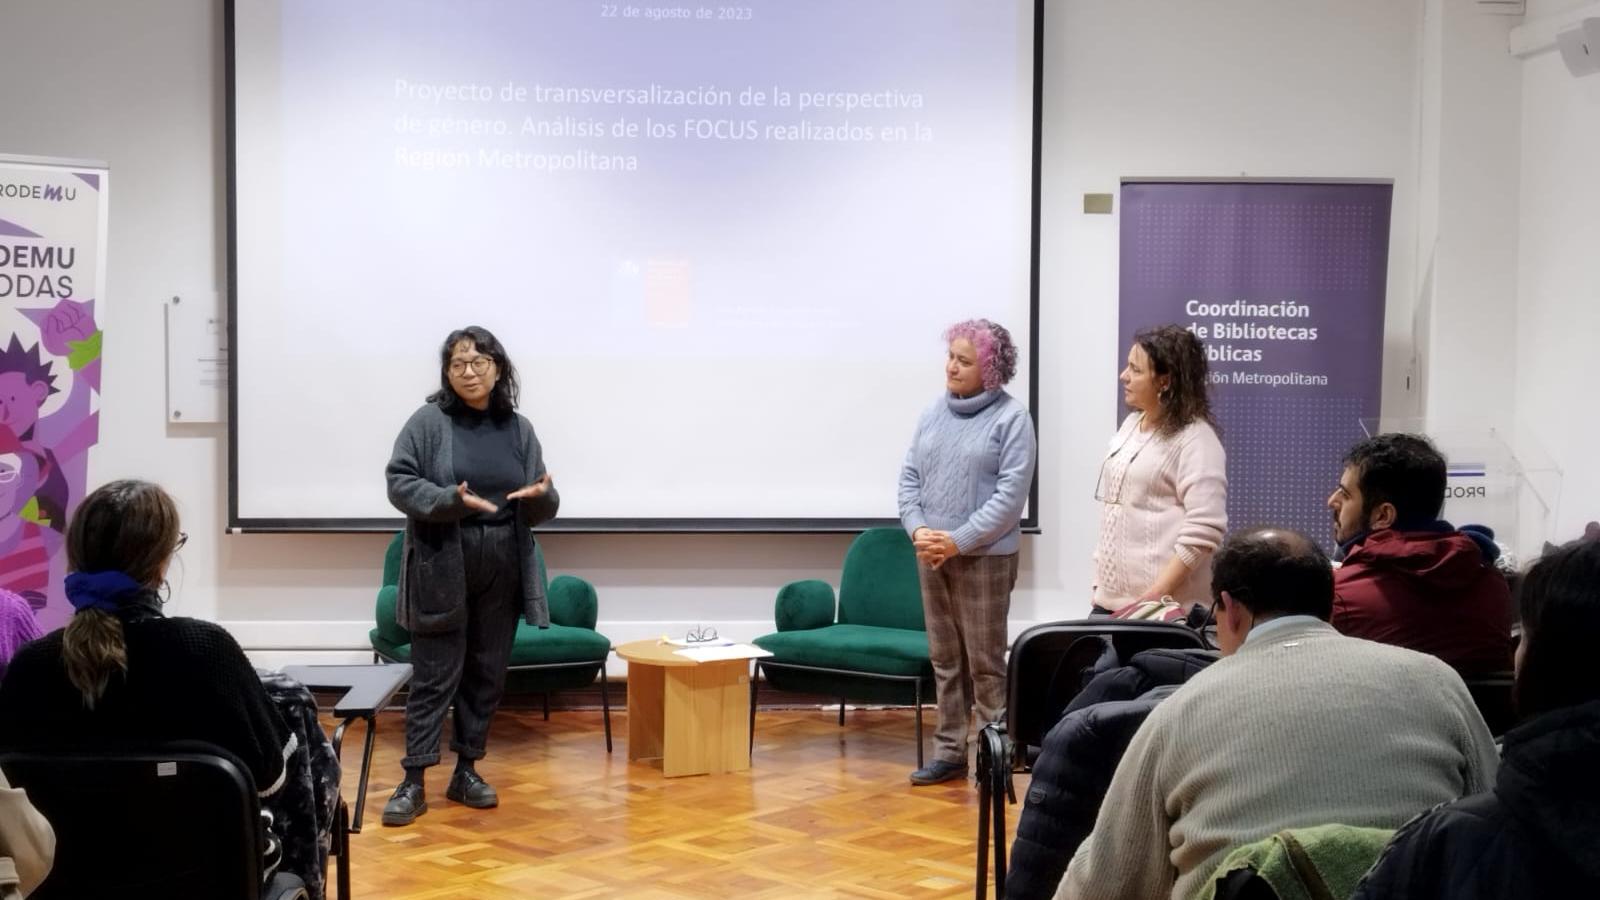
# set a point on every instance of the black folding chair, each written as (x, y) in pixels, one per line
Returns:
(1244, 884)
(1042, 677)
(170, 820)
(1494, 697)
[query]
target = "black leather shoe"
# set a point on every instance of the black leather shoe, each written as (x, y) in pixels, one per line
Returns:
(939, 772)
(408, 802)
(466, 787)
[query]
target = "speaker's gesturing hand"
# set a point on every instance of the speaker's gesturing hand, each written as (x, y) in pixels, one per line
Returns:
(473, 501)
(537, 489)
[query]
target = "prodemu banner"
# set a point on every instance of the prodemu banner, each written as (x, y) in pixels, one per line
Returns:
(52, 279)
(1285, 284)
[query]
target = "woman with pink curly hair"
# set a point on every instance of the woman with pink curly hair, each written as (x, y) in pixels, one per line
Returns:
(965, 482)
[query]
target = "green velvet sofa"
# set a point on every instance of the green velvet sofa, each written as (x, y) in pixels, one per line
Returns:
(565, 656)
(870, 647)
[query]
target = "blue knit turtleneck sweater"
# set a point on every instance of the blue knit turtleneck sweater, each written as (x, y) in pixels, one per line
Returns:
(969, 471)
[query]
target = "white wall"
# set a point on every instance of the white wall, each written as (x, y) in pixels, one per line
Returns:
(1558, 286)
(1263, 88)
(1468, 165)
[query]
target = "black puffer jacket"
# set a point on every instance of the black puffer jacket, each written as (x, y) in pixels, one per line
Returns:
(1078, 758)
(1536, 835)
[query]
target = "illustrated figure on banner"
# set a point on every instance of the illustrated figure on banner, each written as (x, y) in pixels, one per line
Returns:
(44, 454)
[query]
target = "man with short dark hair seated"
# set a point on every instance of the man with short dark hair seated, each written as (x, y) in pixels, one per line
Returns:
(1297, 725)
(1406, 577)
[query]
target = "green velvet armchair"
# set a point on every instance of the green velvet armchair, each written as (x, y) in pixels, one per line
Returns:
(874, 650)
(565, 656)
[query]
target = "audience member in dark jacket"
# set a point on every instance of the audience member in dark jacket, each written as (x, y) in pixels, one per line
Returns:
(1434, 590)
(1538, 833)
(1078, 758)
(1407, 578)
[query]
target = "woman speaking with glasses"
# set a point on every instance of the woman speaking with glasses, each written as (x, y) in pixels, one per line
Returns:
(1163, 486)
(468, 473)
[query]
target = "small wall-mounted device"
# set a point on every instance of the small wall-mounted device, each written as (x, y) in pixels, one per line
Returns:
(1580, 47)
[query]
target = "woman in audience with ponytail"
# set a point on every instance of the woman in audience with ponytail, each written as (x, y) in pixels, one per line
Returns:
(1537, 834)
(123, 672)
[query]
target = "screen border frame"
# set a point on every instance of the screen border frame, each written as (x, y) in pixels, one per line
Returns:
(238, 524)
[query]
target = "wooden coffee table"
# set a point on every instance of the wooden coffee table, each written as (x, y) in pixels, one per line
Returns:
(693, 716)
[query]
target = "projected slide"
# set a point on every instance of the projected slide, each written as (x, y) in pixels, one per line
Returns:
(719, 241)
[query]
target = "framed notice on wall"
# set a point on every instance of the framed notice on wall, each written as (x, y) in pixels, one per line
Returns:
(197, 358)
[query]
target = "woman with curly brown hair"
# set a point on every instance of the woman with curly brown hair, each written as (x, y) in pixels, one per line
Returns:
(1163, 487)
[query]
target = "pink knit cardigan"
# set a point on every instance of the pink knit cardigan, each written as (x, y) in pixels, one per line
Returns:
(1173, 501)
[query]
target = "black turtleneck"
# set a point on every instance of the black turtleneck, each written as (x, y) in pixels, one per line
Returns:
(486, 454)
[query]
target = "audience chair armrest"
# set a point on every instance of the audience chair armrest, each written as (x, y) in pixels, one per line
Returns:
(803, 605)
(388, 599)
(573, 602)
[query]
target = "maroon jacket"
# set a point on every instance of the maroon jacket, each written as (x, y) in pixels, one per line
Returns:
(1434, 592)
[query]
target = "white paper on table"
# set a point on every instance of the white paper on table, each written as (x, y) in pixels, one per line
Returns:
(732, 651)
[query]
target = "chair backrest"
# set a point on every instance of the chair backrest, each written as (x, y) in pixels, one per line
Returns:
(1038, 653)
(177, 820)
(1494, 695)
(392, 560)
(538, 561)
(879, 585)
(1244, 884)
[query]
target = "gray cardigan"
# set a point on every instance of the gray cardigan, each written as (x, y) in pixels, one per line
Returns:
(433, 576)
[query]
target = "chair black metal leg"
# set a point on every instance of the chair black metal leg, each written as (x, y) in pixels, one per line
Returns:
(767, 666)
(338, 737)
(546, 696)
(754, 681)
(992, 775)
(998, 799)
(918, 693)
(605, 704)
(366, 766)
(983, 833)
(341, 849)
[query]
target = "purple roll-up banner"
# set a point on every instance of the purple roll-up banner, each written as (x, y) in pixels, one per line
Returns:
(1285, 284)
(52, 297)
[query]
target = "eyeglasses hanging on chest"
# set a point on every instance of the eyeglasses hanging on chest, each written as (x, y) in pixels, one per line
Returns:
(1109, 490)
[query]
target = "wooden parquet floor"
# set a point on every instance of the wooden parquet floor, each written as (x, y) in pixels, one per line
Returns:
(823, 812)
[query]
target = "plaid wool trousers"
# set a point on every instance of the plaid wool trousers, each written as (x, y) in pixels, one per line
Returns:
(965, 603)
